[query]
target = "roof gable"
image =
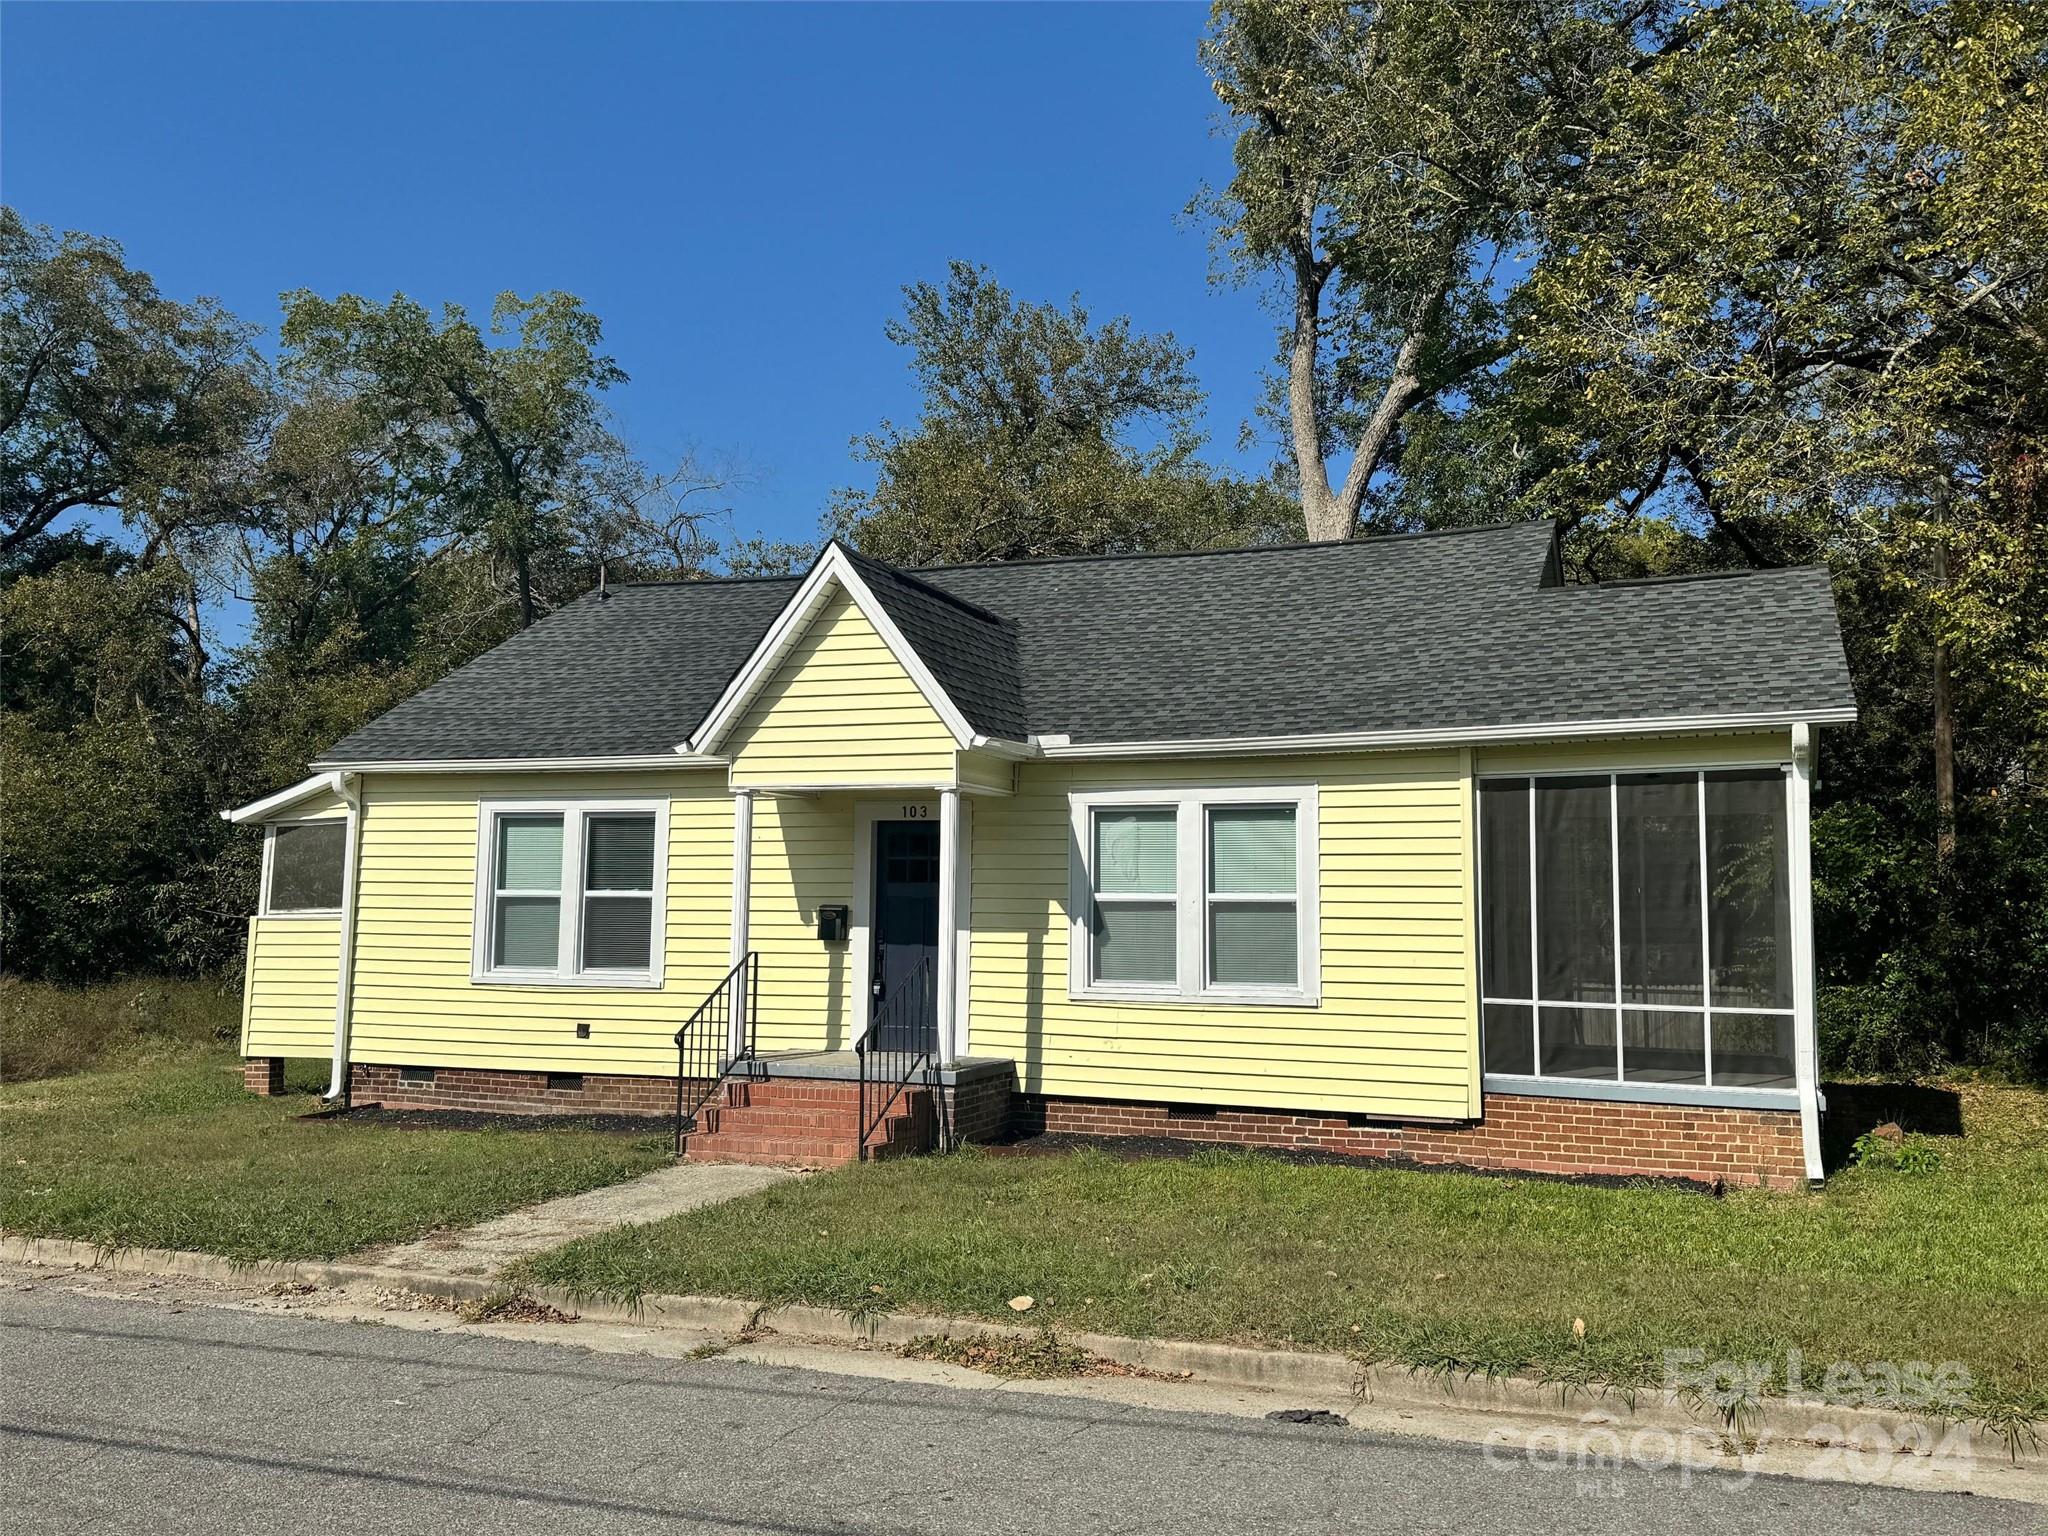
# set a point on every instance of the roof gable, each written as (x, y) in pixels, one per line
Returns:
(839, 570)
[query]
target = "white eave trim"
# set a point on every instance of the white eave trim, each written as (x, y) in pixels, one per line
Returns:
(832, 567)
(261, 810)
(1338, 741)
(527, 764)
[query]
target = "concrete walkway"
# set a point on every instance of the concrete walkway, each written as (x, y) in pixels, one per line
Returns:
(482, 1251)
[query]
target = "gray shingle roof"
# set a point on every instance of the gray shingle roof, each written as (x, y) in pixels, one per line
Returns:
(1449, 632)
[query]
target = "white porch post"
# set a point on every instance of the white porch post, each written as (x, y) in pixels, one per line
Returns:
(742, 890)
(1805, 1052)
(949, 917)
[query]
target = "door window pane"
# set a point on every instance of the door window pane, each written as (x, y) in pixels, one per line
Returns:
(1574, 891)
(1749, 906)
(1659, 843)
(1134, 941)
(618, 933)
(1663, 1047)
(1251, 849)
(1134, 851)
(1510, 1038)
(529, 853)
(1253, 944)
(1504, 934)
(1753, 1050)
(529, 932)
(619, 853)
(1576, 1042)
(305, 866)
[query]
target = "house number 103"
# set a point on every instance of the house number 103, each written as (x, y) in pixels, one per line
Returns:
(916, 812)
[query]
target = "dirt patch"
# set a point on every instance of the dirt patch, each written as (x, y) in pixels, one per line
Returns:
(1041, 1357)
(510, 1307)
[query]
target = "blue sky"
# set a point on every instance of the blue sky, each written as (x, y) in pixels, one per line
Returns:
(738, 191)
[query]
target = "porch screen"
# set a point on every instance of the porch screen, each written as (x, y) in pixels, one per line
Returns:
(305, 866)
(1637, 928)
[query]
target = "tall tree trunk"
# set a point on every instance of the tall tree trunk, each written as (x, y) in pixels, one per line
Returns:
(1944, 738)
(1332, 512)
(1324, 519)
(523, 562)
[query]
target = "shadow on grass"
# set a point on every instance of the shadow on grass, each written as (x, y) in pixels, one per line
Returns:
(1857, 1108)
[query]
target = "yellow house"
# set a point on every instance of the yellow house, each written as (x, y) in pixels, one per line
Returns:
(1401, 847)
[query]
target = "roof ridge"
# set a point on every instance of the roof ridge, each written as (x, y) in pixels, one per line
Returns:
(911, 578)
(695, 581)
(1684, 576)
(1361, 540)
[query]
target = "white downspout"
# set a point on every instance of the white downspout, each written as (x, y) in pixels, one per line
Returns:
(349, 787)
(1805, 1050)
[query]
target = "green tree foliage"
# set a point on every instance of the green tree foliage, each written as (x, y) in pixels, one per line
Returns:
(397, 495)
(1043, 433)
(1740, 283)
(1395, 164)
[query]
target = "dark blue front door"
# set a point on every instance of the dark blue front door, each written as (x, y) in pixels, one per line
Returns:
(906, 934)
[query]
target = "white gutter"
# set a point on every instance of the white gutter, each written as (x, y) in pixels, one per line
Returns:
(527, 764)
(350, 791)
(305, 789)
(1060, 746)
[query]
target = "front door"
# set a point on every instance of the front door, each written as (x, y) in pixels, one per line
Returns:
(906, 935)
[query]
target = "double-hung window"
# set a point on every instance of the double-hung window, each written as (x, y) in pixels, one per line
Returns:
(1206, 895)
(1636, 928)
(570, 892)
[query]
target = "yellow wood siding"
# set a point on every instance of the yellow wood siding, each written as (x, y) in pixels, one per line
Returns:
(1639, 753)
(415, 914)
(803, 859)
(986, 771)
(1396, 1030)
(840, 709)
(288, 995)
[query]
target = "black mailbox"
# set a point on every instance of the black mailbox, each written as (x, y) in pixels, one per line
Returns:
(832, 924)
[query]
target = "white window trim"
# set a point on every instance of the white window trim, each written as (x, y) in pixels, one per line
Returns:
(1192, 896)
(292, 914)
(1621, 1086)
(567, 972)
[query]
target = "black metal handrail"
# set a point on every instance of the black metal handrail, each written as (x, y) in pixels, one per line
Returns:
(714, 1039)
(887, 1064)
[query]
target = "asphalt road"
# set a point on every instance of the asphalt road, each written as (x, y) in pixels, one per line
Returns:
(120, 1415)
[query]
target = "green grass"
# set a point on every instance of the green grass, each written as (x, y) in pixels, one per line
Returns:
(176, 1154)
(1442, 1271)
(47, 1031)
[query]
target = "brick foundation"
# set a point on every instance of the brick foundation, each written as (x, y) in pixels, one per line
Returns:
(264, 1075)
(1519, 1132)
(512, 1093)
(977, 1108)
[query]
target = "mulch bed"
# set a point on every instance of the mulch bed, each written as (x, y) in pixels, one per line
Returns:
(480, 1120)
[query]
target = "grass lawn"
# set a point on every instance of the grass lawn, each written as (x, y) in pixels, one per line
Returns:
(1440, 1270)
(175, 1154)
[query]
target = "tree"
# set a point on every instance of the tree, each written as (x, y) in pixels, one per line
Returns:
(115, 399)
(1802, 298)
(491, 444)
(1043, 433)
(1394, 165)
